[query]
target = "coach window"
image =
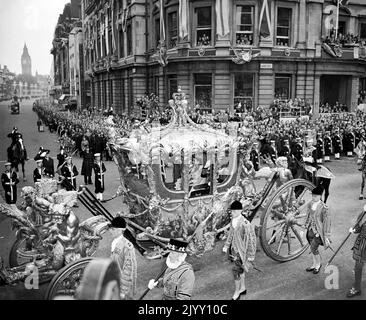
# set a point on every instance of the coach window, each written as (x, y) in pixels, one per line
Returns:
(203, 22)
(283, 87)
(172, 29)
(203, 92)
(244, 25)
(283, 28)
(243, 92)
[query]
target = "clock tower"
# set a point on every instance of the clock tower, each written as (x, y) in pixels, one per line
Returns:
(26, 62)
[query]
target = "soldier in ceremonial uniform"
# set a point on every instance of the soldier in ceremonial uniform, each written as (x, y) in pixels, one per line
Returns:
(69, 173)
(273, 151)
(337, 144)
(320, 148)
(9, 180)
(99, 170)
(254, 156)
(318, 222)
(298, 149)
(241, 247)
(178, 280)
(13, 135)
(123, 253)
(61, 157)
(38, 172)
(359, 254)
(350, 143)
(327, 146)
(285, 150)
(48, 164)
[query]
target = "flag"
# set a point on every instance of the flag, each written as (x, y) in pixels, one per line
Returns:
(162, 22)
(265, 25)
(183, 19)
(222, 17)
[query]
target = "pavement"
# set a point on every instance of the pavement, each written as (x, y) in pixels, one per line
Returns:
(284, 281)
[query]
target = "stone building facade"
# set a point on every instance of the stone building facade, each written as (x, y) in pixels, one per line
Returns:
(224, 52)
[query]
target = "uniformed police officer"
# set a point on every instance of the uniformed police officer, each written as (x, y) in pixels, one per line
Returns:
(178, 280)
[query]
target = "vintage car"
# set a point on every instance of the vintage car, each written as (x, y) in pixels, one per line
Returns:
(15, 107)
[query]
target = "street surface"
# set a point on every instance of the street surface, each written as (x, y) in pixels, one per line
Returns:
(214, 280)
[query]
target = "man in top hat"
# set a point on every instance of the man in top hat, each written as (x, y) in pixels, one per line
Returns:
(123, 253)
(38, 172)
(327, 146)
(48, 165)
(318, 223)
(241, 246)
(254, 156)
(68, 175)
(178, 280)
(99, 170)
(9, 180)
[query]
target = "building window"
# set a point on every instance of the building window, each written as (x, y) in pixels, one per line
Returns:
(243, 92)
(172, 29)
(129, 40)
(362, 32)
(283, 87)
(203, 16)
(244, 25)
(283, 30)
(121, 51)
(172, 85)
(203, 91)
(157, 32)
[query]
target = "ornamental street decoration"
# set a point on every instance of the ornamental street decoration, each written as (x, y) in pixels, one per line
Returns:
(243, 56)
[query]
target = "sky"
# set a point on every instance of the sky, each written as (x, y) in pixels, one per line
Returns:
(32, 22)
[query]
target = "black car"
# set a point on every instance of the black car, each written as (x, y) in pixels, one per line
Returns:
(15, 108)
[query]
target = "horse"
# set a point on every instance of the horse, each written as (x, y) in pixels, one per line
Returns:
(320, 178)
(17, 155)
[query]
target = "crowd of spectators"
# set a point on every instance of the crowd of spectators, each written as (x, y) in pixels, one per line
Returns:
(336, 108)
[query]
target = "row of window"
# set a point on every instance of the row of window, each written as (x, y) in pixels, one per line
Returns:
(243, 89)
(244, 26)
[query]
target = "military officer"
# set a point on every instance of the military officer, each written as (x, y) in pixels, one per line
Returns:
(99, 170)
(48, 164)
(337, 144)
(69, 173)
(273, 151)
(38, 172)
(320, 148)
(9, 180)
(254, 156)
(298, 149)
(327, 146)
(178, 280)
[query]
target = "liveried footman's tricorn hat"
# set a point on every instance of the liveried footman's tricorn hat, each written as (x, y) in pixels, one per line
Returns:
(317, 191)
(236, 205)
(177, 245)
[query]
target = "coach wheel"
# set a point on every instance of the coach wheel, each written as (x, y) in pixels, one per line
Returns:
(67, 280)
(283, 232)
(101, 281)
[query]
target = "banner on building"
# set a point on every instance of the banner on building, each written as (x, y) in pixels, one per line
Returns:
(183, 19)
(265, 24)
(162, 21)
(222, 17)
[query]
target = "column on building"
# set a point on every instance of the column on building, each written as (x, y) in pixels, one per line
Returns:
(266, 85)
